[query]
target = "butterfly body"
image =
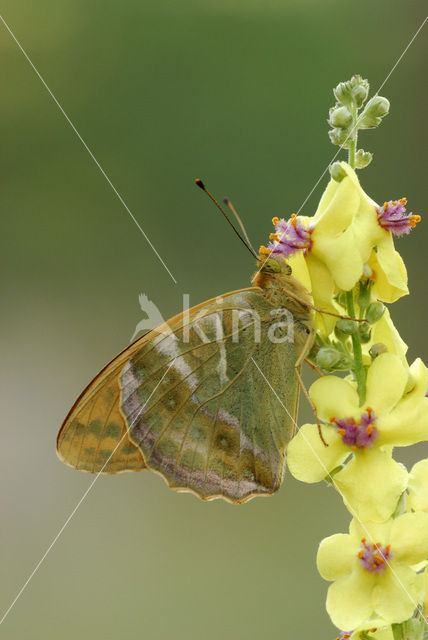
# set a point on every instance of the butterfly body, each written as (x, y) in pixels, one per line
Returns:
(188, 400)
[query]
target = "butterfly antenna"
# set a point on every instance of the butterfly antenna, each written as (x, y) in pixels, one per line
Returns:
(201, 185)
(230, 206)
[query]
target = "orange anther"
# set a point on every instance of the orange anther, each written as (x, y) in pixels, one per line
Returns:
(363, 540)
(388, 548)
(369, 429)
(264, 251)
(379, 559)
(395, 203)
(332, 419)
(413, 220)
(275, 220)
(273, 236)
(293, 219)
(403, 200)
(341, 432)
(386, 206)
(361, 554)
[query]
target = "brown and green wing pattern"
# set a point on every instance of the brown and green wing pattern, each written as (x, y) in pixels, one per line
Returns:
(199, 409)
(95, 427)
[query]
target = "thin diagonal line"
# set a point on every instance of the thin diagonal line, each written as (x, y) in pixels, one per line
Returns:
(415, 35)
(42, 559)
(121, 200)
(350, 507)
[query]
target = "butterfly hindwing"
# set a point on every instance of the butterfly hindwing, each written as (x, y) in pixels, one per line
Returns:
(198, 407)
(188, 401)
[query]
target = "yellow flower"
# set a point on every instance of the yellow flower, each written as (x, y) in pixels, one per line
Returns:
(417, 500)
(370, 481)
(372, 570)
(341, 238)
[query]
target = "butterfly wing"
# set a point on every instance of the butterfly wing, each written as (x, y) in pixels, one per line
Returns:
(193, 403)
(199, 409)
(94, 435)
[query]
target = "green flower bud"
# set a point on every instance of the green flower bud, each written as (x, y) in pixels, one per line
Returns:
(376, 349)
(365, 332)
(352, 92)
(340, 137)
(346, 326)
(376, 109)
(340, 117)
(362, 159)
(336, 172)
(374, 312)
(327, 358)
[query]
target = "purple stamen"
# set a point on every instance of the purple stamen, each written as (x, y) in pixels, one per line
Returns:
(290, 236)
(374, 557)
(393, 217)
(357, 435)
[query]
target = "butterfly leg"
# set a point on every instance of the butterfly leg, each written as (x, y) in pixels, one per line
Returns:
(314, 368)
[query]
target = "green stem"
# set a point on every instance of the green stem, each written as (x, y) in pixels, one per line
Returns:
(353, 139)
(359, 370)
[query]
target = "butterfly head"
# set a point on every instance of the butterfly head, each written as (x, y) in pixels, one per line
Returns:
(280, 287)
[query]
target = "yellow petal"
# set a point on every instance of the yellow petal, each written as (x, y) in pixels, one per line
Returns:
(337, 556)
(322, 289)
(371, 484)
(349, 599)
(299, 269)
(333, 396)
(390, 286)
(341, 256)
(418, 487)
(391, 264)
(419, 375)
(397, 593)
(373, 531)
(384, 331)
(336, 211)
(407, 424)
(409, 538)
(309, 460)
(386, 382)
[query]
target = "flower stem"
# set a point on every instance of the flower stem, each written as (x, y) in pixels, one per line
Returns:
(353, 138)
(359, 370)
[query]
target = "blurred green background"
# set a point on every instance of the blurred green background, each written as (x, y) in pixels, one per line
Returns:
(163, 91)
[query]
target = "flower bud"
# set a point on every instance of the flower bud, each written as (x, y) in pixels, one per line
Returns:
(327, 358)
(376, 350)
(374, 312)
(336, 171)
(364, 332)
(376, 109)
(340, 117)
(352, 92)
(346, 326)
(362, 159)
(340, 137)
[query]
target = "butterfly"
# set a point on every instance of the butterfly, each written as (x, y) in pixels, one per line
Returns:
(192, 399)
